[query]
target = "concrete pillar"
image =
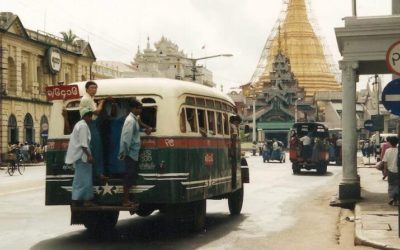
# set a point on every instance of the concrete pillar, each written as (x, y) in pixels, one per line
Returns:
(349, 188)
(395, 7)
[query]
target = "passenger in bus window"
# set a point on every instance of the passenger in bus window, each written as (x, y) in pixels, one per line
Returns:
(129, 149)
(211, 122)
(201, 115)
(96, 145)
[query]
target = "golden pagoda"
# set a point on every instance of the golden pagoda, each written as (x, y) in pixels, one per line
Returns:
(296, 35)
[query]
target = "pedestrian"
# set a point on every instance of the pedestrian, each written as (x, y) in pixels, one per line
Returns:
(79, 154)
(96, 145)
(130, 147)
(390, 169)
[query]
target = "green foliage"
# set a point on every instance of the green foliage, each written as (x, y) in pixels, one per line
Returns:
(69, 37)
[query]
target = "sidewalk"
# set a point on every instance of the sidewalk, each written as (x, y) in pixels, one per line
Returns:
(376, 222)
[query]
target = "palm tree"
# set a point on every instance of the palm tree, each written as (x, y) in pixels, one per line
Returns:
(69, 37)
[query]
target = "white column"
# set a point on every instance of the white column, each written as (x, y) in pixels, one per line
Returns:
(349, 121)
(395, 7)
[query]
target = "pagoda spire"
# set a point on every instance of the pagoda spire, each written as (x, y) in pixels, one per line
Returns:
(309, 58)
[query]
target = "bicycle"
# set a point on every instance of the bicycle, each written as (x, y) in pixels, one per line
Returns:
(16, 165)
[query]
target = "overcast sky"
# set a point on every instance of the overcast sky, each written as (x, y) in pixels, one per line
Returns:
(240, 27)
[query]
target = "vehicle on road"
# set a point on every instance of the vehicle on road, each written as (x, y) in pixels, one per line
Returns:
(314, 155)
(15, 162)
(270, 153)
(192, 156)
(335, 145)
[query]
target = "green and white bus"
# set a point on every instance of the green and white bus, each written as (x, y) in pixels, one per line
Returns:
(191, 157)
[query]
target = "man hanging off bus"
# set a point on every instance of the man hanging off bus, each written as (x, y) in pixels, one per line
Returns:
(96, 144)
(130, 147)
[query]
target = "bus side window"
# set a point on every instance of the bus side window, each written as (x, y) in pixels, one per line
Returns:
(219, 123)
(211, 122)
(149, 116)
(226, 124)
(71, 117)
(183, 123)
(192, 119)
(201, 116)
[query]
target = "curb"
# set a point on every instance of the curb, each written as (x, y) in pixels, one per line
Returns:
(359, 238)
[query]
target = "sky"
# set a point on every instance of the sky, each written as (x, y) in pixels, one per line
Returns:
(116, 28)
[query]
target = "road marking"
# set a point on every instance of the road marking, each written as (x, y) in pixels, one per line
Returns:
(22, 190)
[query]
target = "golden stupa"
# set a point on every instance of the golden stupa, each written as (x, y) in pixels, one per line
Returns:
(295, 35)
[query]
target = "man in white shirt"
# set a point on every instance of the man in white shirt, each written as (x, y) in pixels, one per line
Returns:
(306, 151)
(79, 155)
(390, 169)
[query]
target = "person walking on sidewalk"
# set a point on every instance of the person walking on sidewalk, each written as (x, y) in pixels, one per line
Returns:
(390, 169)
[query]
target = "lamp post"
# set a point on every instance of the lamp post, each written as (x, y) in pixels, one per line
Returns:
(295, 108)
(378, 140)
(194, 62)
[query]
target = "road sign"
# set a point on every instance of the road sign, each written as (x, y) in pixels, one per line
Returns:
(62, 92)
(391, 97)
(369, 125)
(393, 58)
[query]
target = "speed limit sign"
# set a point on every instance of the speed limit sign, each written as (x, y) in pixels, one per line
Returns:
(393, 58)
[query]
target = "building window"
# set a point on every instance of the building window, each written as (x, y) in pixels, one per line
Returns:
(29, 130)
(44, 128)
(12, 130)
(24, 77)
(12, 76)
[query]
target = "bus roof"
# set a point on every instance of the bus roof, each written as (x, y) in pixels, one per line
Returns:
(160, 86)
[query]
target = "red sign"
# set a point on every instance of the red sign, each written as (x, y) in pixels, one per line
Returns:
(208, 159)
(393, 58)
(62, 92)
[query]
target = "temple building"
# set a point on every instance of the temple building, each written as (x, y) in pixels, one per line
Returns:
(166, 60)
(296, 32)
(294, 67)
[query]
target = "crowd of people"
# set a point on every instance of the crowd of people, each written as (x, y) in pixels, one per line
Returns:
(27, 152)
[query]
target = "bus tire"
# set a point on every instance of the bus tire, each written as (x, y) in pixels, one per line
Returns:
(101, 221)
(198, 214)
(296, 168)
(235, 201)
(144, 210)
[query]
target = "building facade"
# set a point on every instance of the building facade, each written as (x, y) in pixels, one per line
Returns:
(30, 61)
(166, 60)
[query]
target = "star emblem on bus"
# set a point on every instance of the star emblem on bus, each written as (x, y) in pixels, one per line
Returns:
(106, 189)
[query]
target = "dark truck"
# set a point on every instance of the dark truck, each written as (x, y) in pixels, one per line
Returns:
(318, 156)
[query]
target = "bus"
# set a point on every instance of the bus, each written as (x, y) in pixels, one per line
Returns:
(191, 157)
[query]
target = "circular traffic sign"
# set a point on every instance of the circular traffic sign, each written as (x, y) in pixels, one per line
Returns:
(393, 58)
(369, 125)
(391, 97)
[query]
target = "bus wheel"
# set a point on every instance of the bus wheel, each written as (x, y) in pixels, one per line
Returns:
(144, 210)
(101, 221)
(295, 168)
(235, 202)
(198, 213)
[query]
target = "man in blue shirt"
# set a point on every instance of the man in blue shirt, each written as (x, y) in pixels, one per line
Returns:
(129, 148)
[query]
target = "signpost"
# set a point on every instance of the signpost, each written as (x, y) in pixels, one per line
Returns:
(393, 58)
(369, 125)
(391, 96)
(62, 92)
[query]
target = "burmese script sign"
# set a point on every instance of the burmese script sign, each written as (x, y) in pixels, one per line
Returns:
(62, 92)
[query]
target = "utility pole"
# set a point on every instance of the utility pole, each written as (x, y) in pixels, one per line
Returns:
(354, 7)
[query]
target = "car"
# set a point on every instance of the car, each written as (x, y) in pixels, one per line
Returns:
(311, 156)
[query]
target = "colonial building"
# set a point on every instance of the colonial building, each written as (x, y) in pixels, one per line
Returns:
(166, 60)
(112, 69)
(30, 61)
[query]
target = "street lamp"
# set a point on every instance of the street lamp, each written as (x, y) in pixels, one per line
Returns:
(194, 62)
(295, 108)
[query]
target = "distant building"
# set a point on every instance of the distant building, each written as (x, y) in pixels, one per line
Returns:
(166, 60)
(113, 69)
(30, 61)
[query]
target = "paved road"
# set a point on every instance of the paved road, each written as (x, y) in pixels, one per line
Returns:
(270, 211)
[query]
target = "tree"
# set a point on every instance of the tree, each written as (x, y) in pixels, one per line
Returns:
(69, 37)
